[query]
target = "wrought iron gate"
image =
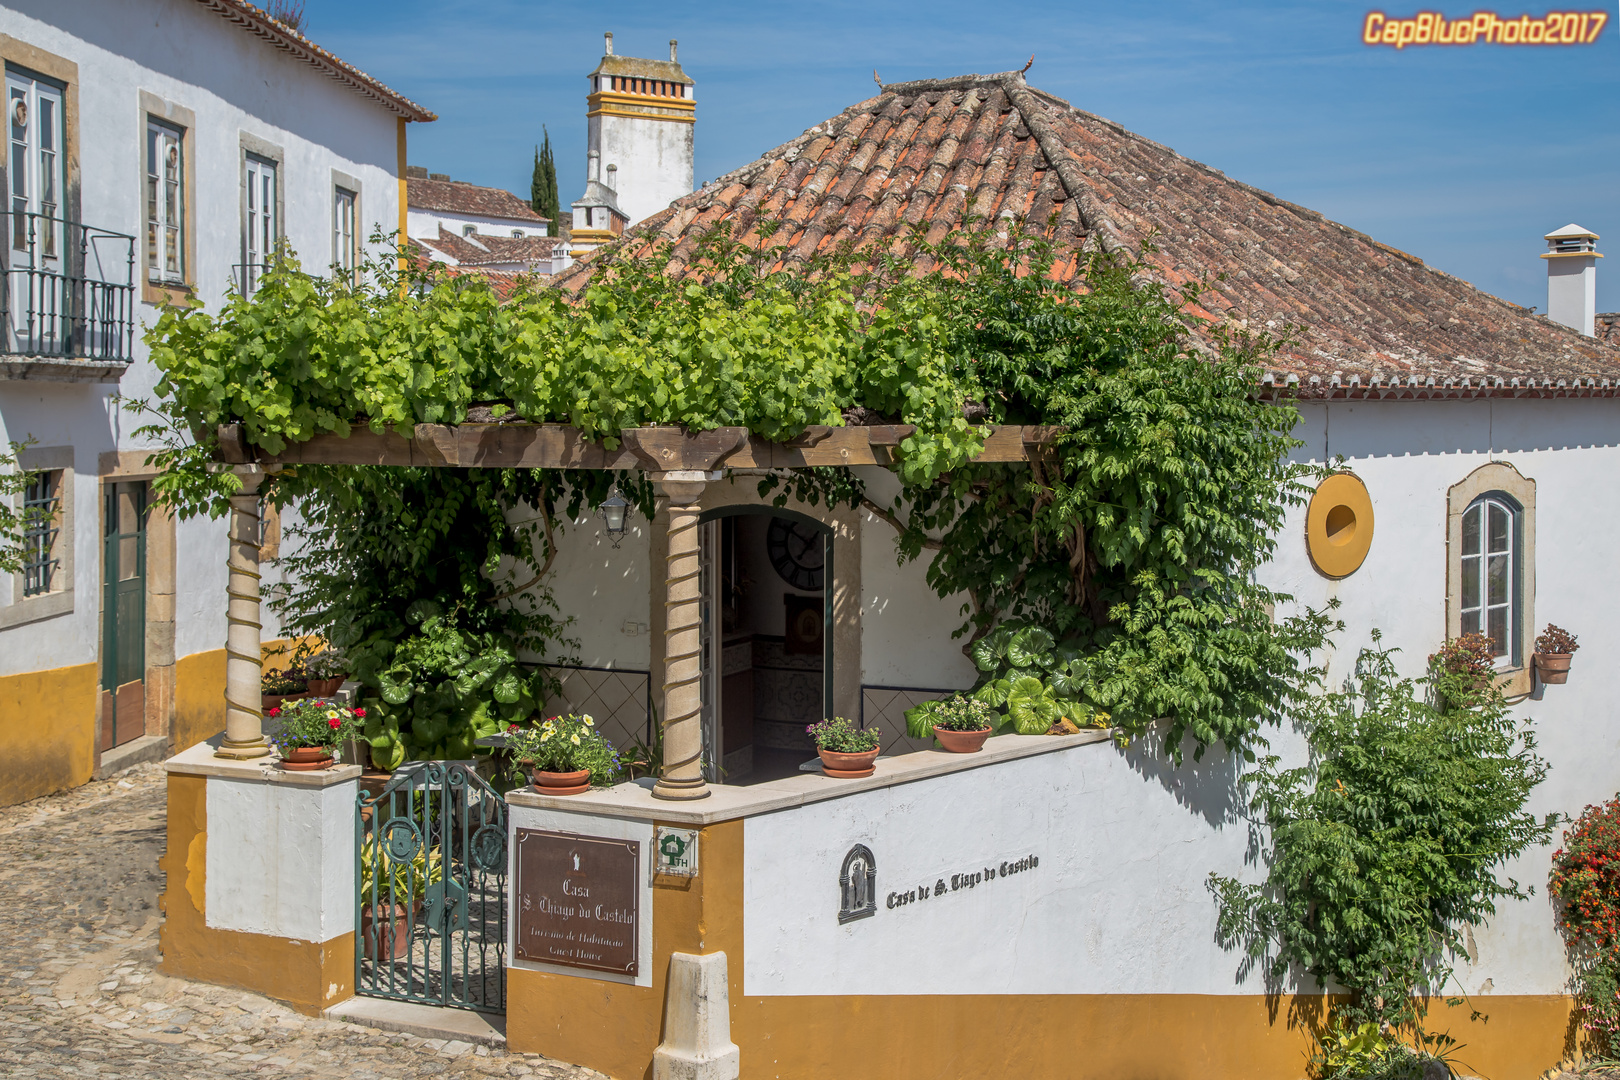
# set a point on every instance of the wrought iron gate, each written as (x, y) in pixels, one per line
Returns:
(431, 919)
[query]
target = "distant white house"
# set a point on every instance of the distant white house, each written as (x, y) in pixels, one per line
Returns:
(158, 150)
(483, 229)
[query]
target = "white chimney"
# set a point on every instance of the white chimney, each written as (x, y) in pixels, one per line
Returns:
(1572, 277)
(672, 50)
(607, 43)
(593, 161)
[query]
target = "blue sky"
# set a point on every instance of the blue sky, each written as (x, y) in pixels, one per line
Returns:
(1463, 156)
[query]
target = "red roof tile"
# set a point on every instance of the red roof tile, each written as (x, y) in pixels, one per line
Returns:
(1365, 318)
(457, 197)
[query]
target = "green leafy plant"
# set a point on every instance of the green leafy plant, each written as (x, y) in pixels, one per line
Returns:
(1387, 844)
(14, 523)
(842, 737)
(565, 744)
(958, 712)
(1585, 880)
(1556, 639)
(398, 881)
(311, 722)
(1132, 540)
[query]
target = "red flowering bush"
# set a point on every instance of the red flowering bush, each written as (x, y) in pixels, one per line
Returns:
(1586, 881)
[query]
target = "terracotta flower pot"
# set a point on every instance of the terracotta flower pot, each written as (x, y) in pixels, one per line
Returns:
(272, 701)
(384, 940)
(562, 783)
(326, 687)
(962, 742)
(306, 758)
(848, 766)
(1553, 667)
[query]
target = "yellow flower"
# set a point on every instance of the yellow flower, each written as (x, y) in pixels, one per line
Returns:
(332, 715)
(574, 739)
(589, 722)
(544, 736)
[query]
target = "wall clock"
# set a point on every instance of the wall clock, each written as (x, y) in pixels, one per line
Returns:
(796, 552)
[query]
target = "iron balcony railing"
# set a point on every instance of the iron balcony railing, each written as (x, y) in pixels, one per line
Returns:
(246, 277)
(66, 289)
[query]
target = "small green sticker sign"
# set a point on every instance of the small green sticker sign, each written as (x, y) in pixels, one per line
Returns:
(675, 852)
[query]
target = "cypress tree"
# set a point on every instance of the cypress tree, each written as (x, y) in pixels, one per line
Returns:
(543, 186)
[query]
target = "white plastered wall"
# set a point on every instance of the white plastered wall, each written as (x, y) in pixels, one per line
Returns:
(605, 589)
(654, 159)
(1151, 832)
(281, 858)
(185, 54)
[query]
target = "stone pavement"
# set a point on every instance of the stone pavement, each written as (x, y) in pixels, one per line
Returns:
(80, 993)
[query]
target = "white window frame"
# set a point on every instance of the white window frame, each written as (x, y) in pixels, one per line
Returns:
(36, 163)
(165, 202)
(261, 225)
(1483, 546)
(345, 221)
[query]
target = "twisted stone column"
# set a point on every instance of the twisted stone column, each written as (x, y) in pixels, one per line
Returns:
(682, 773)
(244, 663)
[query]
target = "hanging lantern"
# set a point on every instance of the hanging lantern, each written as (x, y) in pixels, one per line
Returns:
(613, 510)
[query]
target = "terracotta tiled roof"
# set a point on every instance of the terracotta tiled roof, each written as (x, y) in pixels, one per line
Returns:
(484, 250)
(1365, 317)
(261, 25)
(456, 197)
(1607, 327)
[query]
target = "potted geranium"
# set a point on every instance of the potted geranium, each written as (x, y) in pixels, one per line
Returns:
(961, 723)
(847, 752)
(1554, 647)
(566, 754)
(312, 731)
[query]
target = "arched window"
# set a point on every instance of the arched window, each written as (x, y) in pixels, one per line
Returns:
(1491, 566)
(1490, 572)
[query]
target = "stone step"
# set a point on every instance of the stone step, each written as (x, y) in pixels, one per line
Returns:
(424, 1021)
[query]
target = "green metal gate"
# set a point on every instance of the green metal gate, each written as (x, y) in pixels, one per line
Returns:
(430, 925)
(123, 613)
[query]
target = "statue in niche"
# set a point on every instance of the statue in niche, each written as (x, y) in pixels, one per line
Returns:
(857, 885)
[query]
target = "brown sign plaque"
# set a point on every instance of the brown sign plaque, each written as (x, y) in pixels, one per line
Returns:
(577, 900)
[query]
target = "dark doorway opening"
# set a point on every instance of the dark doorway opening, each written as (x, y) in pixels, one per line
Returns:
(767, 641)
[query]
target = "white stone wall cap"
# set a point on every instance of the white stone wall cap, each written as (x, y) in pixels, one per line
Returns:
(689, 476)
(727, 803)
(199, 760)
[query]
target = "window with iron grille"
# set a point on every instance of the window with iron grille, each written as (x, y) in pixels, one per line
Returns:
(345, 249)
(42, 525)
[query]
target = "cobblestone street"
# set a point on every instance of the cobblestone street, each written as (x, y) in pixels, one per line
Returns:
(80, 992)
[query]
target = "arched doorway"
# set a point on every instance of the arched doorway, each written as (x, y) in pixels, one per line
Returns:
(767, 639)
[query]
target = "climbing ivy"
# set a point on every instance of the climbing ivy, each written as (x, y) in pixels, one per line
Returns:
(1133, 539)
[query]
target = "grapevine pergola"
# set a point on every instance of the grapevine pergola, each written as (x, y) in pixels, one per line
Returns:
(679, 462)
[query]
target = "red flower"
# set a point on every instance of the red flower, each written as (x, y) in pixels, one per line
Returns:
(361, 713)
(273, 711)
(511, 727)
(334, 723)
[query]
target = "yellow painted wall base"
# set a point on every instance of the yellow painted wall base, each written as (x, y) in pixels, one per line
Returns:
(615, 1028)
(199, 699)
(308, 976)
(47, 731)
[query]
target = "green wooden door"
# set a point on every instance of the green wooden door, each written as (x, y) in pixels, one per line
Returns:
(123, 614)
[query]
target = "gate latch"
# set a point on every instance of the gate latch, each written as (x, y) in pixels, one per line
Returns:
(446, 907)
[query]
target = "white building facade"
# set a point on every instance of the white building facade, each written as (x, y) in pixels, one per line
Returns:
(158, 151)
(642, 117)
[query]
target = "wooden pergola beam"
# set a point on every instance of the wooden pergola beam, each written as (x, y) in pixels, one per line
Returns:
(654, 449)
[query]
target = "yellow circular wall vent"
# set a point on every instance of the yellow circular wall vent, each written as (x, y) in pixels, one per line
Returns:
(1339, 525)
